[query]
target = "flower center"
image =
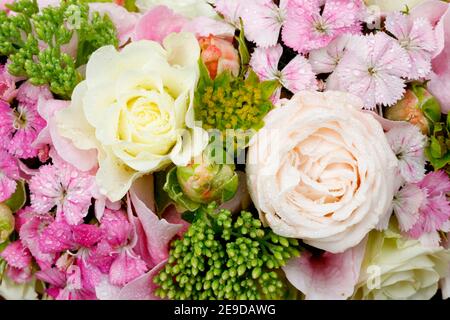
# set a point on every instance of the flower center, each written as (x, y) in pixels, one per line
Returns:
(20, 118)
(320, 25)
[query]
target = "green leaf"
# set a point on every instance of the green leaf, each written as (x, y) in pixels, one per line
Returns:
(18, 199)
(435, 148)
(439, 162)
(268, 88)
(243, 50)
(252, 78)
(162, 199)
(229, 188)
(173, 189)
(432, 109)
(205, 79)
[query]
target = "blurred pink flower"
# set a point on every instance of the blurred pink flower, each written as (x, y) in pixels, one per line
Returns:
(8, 89)
(417, 37)
(328, 276)
(406, 205)
(64, 186)
(296, 76)
(372, 68)
(309, 27)
(408, 144)
(9, 173)
(19, 260)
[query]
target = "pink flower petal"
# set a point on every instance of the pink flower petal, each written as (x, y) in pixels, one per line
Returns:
(206, 26)
(142, 288)
(126, 268)
(102, 256)
(17, 255)
(159, 232)
(56, 237)
(53, 276)
(158, 23)
(298, 75)
(265, 61)
(328, 277)
(406, 206)
(30, 233)
(116, 227)
(174, 217)
(86, 235)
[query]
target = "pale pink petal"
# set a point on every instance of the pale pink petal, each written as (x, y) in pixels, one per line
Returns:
(123, 20)
(263, 15)
(142, 288)
(90, 275)
(325, 60)
(264, 62)
(159, 232)
(8, 89)
(56, 237)
(9, 173)
(406, 205)
(205, 26)
(53, 276)
(328, 277)
(174, 217)
(30, 94)
(158, 23)
(298, 75)
(230, 9)
(126, 268)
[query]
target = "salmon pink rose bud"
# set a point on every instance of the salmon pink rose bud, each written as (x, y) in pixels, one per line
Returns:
(219, 55)
(418, 107)
(6, 222)
(322, 170)
(136, 109)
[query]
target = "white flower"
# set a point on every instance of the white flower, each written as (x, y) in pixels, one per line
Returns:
(136, 109)
(187, 8)
(398, 268)
(11, 290)
(393, 5)
(321, 170)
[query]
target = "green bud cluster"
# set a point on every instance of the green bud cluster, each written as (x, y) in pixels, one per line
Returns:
(33, 41)
(224, 258)
(232, 103)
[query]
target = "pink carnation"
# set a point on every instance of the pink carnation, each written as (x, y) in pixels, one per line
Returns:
(65, 187)
(373, 68)
(18, 258)
(19, 127)
(297, 75)
(309, 27)
(417, 37)
(9, 173)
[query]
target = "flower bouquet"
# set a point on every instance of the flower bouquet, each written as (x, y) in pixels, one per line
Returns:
(228, 149)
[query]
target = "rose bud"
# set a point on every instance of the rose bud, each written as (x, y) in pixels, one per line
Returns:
(204, 181)
(418, 107)
(6, 222)
(219, 55)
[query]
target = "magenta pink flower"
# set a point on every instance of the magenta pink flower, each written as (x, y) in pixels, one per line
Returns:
(8, 89)
(65, 187)
(372, 68)
(9, 173)
(422, 208)
(417, 37)
(126, 267)
(18, 258)
(297, 75)
(19, 127)
(309, 26)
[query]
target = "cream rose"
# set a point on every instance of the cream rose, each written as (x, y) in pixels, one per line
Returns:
(399, 268)
(393, 5)
(321, 170)
(188, 8)
(136, 109)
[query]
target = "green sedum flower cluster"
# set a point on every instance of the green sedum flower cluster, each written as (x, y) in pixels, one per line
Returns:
(33, 40)
(221, 257)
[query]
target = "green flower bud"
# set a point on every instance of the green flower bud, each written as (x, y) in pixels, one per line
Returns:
(6, 222)
(203, 181)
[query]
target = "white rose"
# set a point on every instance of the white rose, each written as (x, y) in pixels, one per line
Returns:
(399, 268)
(321, 170)
(136, 109)
(187, 8)
(393, 5)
